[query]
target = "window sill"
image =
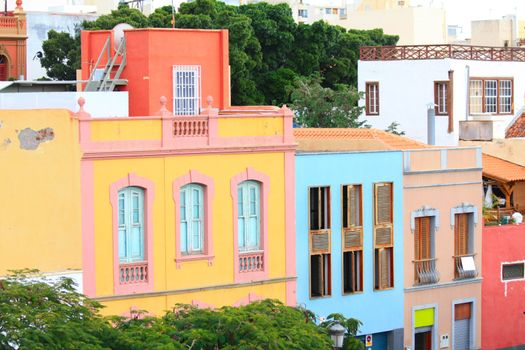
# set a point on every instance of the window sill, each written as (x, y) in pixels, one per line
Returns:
(384, 289)
(352, 293)
(373, 114)
(196, 257)
(320, 297)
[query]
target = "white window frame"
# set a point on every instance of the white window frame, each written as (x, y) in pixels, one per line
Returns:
(186, 90)
(192, 246)
(505, 93)
(491, 94)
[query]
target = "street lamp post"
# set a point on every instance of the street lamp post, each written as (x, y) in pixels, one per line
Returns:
(337, 333)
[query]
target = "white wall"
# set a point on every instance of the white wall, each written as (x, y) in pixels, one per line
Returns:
(38, 24)
(98, 104)
(406, 88)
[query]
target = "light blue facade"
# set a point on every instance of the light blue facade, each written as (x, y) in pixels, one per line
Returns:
(380, 311)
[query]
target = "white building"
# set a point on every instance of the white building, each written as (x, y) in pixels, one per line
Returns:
(475, 92)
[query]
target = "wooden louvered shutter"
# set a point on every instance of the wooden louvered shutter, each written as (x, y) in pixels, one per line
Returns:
(320, 242)
(383, 197)
(352, 228)
(385, 268)
(422, 238)
(461, 234)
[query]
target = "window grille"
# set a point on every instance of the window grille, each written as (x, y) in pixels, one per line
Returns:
(186, 90)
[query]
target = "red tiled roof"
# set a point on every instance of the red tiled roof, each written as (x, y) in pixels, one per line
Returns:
(517, 129)
(327, 139)
(502, 170)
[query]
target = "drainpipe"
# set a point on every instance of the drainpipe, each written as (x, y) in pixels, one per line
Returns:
(467, 84)
(431, 124)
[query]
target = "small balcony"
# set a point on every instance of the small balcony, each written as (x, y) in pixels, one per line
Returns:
(465, 266)
(425, 271)
(252, 261)
(133, 273)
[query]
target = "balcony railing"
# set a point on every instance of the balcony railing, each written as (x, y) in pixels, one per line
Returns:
(12, 25)
(465, 266)
(133, 273)
(251, 261)
(190, 127)
(426, 52)
(425, 271)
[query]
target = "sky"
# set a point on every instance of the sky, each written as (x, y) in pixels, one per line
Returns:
(461, 12)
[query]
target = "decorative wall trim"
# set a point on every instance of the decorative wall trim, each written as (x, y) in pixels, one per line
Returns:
(461, 209)
(193, 176)
(421, 212)
(290, 268)
(133, 180)
(264, 180)
(196, 290)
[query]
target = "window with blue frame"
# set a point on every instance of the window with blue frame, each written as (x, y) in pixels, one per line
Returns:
(249, 215)
(192, 219)
(131, 224)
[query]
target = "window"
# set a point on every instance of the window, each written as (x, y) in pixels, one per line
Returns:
(328, 10)
(441, 100)
(383, 236)
(132, 200)
(463, 256)
(319, 238)
(335, 11)
(192, 219)
(372, 98)
(494, 96)
(424, 262)
(248, 216)
(186, 90)
(514, 271)
(193, 197)
(303, 13)
(131, 226)
(352, 239)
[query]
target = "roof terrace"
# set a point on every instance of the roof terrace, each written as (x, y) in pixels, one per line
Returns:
(429, 52)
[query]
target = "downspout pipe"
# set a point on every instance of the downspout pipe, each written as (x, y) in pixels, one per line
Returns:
(467, 85)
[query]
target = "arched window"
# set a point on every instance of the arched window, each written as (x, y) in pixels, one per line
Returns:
(249, 216)
(192, 219)
(131, 224)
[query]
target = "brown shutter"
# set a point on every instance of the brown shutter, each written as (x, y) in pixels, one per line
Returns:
(352, 210)
(385, 268)
(462, 311)
(461, 234)
(383, 236)
(320, 241)
(353, 239)
(383, 203)
(422, 238)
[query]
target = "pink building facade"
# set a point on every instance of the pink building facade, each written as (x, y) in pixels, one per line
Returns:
(503, 294)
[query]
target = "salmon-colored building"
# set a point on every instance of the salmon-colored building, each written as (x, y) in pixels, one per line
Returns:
(13, 36)
(442, 247)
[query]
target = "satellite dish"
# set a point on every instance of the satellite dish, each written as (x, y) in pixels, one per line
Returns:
(118, 33)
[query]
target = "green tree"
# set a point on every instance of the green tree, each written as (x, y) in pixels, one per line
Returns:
(123, 14)
(61, 55)
(319, 107)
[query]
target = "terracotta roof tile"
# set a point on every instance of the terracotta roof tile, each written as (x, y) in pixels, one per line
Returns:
(326, 139)
(517, 129)
(502, 170)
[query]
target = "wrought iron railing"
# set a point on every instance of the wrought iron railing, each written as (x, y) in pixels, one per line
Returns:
(132, 273)
(425, 52)
(425, 271)
(190, 126)
(461, 271)
(251, 261)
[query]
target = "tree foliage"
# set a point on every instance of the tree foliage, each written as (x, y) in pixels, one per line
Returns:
(268, 50)
(61, 55)
(36, 313)
(316, 106)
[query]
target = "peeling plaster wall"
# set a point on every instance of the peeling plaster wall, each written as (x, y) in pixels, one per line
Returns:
(40, 189)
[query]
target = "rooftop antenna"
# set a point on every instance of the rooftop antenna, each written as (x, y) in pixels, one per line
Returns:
(5, 7)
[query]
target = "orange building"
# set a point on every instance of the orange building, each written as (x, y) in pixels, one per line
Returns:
(13, 36)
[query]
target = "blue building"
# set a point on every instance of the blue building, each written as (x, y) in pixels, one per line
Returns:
(349, 227)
